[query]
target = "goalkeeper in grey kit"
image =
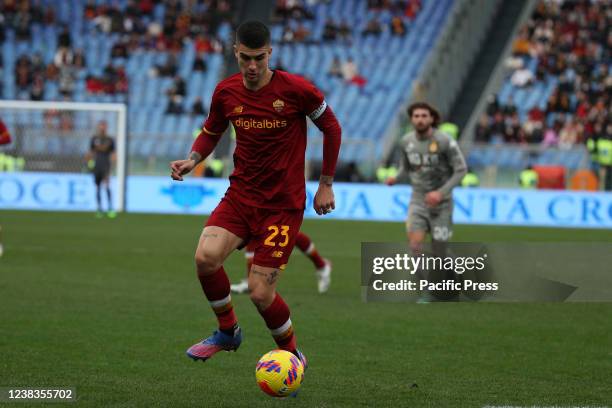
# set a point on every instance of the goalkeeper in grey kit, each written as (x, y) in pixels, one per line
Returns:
(434, 165)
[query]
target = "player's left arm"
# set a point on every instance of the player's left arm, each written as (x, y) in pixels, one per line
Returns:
(457, 163)
(327, 122)
(323, 117)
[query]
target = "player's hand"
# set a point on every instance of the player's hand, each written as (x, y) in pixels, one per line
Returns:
(324, 201)
(180, 168)
(433, 198)
(390, 181)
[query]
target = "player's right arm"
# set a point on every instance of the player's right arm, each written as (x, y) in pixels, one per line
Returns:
(205, 143)
(403, 174)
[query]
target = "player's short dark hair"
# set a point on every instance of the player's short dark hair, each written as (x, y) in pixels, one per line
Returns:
(424, 105)
(253, 34)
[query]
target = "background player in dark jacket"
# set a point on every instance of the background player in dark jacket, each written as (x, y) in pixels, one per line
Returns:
(102, 153)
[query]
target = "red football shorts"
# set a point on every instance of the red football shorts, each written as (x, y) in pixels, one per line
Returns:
(269, 233)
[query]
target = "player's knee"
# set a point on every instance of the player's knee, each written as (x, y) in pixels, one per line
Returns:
(416, 246)
(261, 296)
(207, 263)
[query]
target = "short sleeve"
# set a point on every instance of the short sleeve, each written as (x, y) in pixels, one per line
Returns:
(112, 145)
(313, 101)
(216, 122)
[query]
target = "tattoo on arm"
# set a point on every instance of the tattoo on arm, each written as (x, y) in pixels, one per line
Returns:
(197, 157)
(207, 235)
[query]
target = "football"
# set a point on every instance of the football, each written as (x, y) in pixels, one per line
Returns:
(279, 373)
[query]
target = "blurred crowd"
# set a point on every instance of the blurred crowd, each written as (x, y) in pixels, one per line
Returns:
(292, 13)
(136, 28)
(571, 43)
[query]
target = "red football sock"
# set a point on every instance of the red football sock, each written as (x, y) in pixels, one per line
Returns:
(303, 242)
(278, 321)
(216, 287)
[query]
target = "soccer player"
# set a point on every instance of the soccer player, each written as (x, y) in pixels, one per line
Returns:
(305, 244)
(102, 153)
(5, 138)
(264, 204)
(434, 165)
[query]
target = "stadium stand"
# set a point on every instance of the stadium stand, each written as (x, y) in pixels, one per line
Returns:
(144, 53)
(141, 53)
(365, 61)
(557, 93)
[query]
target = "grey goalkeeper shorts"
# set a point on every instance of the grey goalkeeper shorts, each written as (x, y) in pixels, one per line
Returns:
(438, 221)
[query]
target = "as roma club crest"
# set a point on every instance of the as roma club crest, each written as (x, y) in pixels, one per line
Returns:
(433, 147)
(278, 105)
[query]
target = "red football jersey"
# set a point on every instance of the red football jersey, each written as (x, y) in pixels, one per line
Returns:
(5, 136)
(270, 126)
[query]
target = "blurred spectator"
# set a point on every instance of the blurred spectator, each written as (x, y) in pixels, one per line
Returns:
(412, 9)
(509, 108)
(483, 133)
(79, 60)
(119, 49)
(373, 27)
(38, 65)
(109, 78)
(492, 105)
(178, 88)
(570, 134)
(301, 33)
(344, 32)
(174, 105)
(522, 77)
(52, 72)
(551, 138)
(349, 69)
(397, 26)
(66, 82)
(287, 36)
(335, 69)
(22, 23)
(89, 12)
(522, 45)
(37, 92)
(169, 69)
(330, 30)
(23, 73)
(122, 84)
(2, 29)
(93, 84)
(199, 64)
(63, 39)
(63, 57)
(202, 44)
(350, 73)
(198, 107)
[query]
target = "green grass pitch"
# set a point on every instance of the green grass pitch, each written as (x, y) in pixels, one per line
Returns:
(110, 306)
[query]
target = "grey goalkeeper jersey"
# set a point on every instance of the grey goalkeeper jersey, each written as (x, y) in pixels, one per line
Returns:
(432, 163)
